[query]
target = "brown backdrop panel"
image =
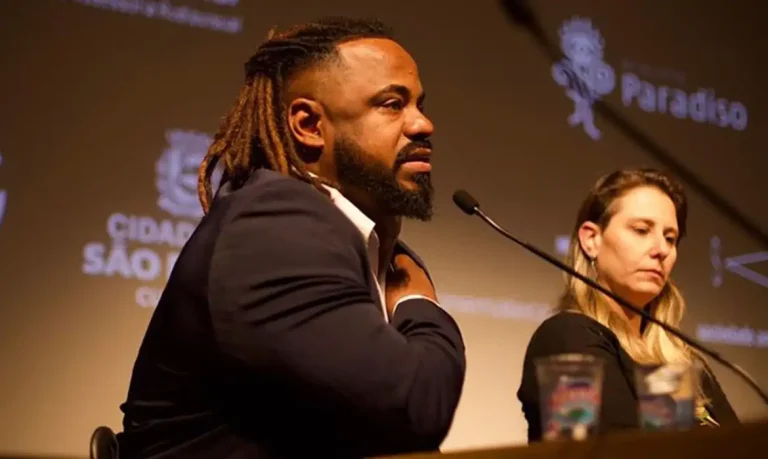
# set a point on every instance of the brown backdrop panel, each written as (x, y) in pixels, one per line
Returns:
(107, 113)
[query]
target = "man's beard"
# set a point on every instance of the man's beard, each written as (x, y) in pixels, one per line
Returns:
(357, 169)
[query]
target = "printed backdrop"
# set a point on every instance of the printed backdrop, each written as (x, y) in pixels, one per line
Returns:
(109, 105)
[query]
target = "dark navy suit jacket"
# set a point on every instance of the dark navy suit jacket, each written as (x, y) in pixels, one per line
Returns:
(267, 342)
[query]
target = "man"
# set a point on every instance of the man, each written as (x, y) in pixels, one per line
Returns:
(295, 323)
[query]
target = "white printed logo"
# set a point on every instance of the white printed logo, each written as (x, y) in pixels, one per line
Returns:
(177, 173)
(145, 249)
(3, 196)
(736, 264)
(586, 77)
(584, 74)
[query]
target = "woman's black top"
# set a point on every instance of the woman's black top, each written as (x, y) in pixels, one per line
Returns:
(568, 332)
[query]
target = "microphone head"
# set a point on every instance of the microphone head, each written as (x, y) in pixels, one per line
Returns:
(465, 202)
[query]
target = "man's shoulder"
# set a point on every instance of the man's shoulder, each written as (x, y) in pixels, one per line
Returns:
(279, 208)
(269, 193)
(282, 188)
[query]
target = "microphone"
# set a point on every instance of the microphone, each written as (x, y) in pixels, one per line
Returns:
(470, 206)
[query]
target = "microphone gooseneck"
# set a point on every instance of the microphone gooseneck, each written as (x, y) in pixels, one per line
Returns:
(471, 206)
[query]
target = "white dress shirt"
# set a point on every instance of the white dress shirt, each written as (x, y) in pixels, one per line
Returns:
(366, 227)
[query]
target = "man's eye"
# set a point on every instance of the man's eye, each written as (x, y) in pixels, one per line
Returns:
(393, 104)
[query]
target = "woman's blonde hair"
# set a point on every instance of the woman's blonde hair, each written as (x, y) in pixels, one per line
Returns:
(655, 345)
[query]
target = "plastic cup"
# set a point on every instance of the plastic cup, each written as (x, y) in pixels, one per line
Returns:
(667, 395)
(570, 395)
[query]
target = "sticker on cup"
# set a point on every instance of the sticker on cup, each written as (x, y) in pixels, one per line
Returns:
(666, 395)
(657, 412)
(573, 408)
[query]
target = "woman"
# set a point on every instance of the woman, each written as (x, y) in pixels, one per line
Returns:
(626, 238)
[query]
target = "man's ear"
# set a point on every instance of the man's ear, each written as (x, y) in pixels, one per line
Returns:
(590, 239)
(306, 124)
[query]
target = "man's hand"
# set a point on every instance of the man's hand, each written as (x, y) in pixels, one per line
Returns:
(407, 279)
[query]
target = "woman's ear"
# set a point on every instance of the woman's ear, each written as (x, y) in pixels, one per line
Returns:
(590, 239)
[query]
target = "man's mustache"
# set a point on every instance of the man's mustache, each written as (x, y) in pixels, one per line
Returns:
(407, 152)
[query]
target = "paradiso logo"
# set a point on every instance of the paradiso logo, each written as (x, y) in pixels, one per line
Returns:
(143, 248)
(3, 195)
(587, 77)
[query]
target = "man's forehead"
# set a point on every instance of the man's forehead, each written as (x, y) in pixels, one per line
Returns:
(377, 61)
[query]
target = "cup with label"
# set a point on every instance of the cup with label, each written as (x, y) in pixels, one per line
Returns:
(667, 395)
(570, 395)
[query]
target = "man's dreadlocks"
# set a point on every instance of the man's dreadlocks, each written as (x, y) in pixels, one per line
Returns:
(254, 134)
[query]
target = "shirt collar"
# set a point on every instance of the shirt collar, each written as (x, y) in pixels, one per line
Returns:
(364, 224)
(361, 221)
(366, 228)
